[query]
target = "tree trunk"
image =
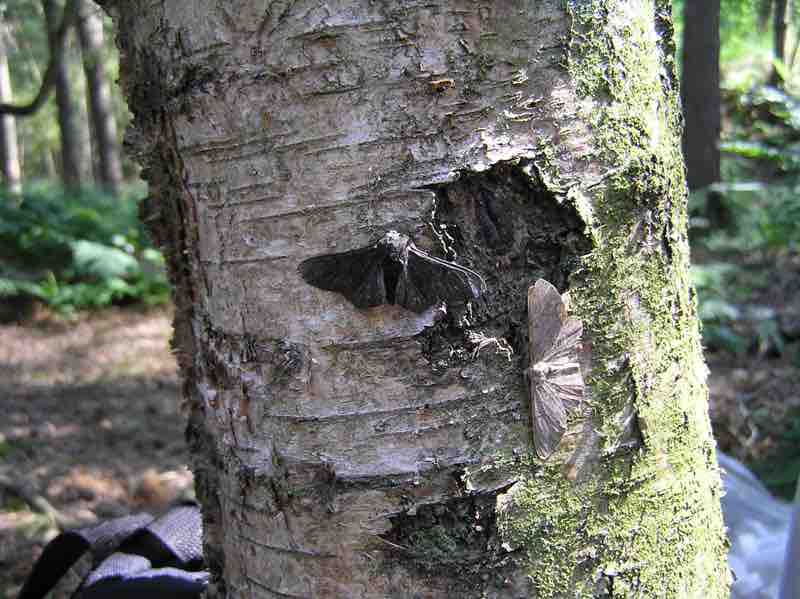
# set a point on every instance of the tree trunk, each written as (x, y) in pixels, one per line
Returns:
(79, 90)
(700, 92)
(9, 151)
(71, 165)
(104, 129)
(779, 27)
(381, 452)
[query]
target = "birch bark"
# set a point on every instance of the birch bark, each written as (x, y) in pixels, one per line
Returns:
(342, 452)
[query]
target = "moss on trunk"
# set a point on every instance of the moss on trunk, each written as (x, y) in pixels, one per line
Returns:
(646, 521)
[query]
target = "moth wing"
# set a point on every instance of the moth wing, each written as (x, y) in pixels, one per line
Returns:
(546, 311)
(426, 280)
(549, 418)
(357, 274)
(410, 296)
(372, 291)
(567, 383)
(566, 344)
(564, 372)
(554, 345)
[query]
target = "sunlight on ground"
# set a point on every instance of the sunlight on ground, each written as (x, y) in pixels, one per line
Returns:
(91, 428)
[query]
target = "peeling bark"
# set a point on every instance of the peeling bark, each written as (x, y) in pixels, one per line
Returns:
(345, 452)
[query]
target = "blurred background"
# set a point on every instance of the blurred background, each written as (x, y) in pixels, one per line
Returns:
(89, 418)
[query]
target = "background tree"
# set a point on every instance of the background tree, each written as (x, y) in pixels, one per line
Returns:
(780, 26)
(700, 92)
(90, 30)
(347, 452)
(72, 165)
(60, 73)
(70, 248)
(9, 154)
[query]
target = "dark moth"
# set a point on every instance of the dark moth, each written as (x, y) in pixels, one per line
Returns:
(392, 271)
(556, 383)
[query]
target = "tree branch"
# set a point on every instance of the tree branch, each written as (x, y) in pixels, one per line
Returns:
(56, 55)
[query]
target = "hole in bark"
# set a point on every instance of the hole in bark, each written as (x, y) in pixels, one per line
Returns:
(455, 539)
(505, 224)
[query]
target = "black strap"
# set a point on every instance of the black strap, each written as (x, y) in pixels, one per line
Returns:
(158, 583)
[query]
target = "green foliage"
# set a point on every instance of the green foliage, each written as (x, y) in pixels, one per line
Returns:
(76, 250)
(781, 471)
(786, 159)
(745, 50)
(763, 221)
(763, 218)
(739, 36)
(767, 113)
(720, 317)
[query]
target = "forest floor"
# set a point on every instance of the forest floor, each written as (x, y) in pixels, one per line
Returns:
(755, 393)
(91, 428)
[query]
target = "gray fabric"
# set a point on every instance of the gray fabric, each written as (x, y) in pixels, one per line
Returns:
(758, 529)
(134, 556)
(68, 547)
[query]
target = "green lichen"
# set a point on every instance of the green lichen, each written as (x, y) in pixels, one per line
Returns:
(649, 523)
(546, 516)
(434, 546)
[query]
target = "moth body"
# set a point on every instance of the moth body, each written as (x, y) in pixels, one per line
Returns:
(396, 246)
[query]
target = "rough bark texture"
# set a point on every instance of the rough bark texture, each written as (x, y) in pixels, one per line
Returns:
(379, 453)
(700, 92)
(9, 151)
(71, 164)
(104, 129)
